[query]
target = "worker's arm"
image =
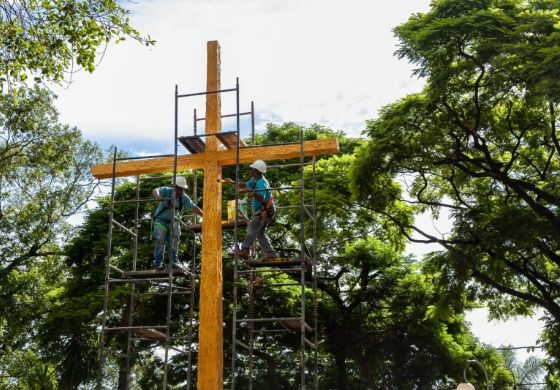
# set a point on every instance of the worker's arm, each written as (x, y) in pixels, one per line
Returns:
(156, 194)
(188, 203)
(242, 186)
(197, 210)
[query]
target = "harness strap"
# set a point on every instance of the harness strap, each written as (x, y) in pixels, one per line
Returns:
(166, 227)
(270, 202)
(168, 203)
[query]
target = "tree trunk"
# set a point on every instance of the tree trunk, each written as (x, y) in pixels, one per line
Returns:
(364, 369)
(341, 375)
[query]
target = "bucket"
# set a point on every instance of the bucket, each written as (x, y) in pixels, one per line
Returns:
(241, 207)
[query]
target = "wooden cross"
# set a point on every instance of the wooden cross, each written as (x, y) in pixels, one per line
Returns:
(210, 354)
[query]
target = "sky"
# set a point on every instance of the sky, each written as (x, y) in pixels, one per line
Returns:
(312, 61)
(329, 62)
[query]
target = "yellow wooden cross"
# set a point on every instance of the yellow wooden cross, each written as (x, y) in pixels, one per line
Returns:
(210, 353)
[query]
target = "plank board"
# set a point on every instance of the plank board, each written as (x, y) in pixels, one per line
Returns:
(295, 325)
(226, 225)
(152, 273)
(151, 334)
(210, 331)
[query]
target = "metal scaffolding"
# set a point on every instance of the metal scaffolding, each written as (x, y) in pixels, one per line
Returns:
(249, 330)
(118, 319)
(299, 262)
(253, 332)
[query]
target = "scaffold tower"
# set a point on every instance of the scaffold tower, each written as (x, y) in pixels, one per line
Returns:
(169, 334)
(209, 152)
(295, 268)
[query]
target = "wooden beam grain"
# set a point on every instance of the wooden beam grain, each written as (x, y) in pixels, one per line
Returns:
(224, 157)
(210, 331)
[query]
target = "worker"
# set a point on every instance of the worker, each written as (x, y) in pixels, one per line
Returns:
(264, 209)
(162, 226)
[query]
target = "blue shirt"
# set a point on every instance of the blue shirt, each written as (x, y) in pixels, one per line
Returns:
(262, 187)
(164, 212)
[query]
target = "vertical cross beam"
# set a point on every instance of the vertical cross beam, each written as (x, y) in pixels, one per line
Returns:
(210, 354)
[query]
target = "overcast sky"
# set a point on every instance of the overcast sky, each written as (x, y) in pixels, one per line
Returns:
(306, 61)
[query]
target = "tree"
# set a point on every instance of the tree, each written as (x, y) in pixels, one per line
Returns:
(381, 322)
(44, 39)
(480, 144)
(26, 371)
(515, 372)
(382, 315)
(44, 169)
(44, 178)
(69, 333)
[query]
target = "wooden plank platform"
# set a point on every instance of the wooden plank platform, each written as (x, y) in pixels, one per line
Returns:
(280, 262)
(152, 273)
(150, 334)
(294, 325)
(226, 225)
(193, 144)
(229, 139)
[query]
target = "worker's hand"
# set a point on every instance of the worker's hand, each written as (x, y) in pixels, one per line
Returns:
(264, 215)
(227, 180)
(243, 190)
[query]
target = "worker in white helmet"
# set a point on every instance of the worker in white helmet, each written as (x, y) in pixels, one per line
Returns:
(163, 219)
(264, 209)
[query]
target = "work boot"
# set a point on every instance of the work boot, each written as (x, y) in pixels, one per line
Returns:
(157, 267)
(243, 253)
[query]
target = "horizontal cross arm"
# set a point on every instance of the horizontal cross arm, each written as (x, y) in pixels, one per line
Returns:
(224, 157)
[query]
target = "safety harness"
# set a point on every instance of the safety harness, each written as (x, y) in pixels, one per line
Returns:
(168, 203)
(267, 206)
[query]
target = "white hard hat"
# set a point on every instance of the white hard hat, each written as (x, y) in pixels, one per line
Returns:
(259, 165)
(180, 182)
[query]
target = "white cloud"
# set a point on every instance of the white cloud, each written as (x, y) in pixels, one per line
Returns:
(328, 62)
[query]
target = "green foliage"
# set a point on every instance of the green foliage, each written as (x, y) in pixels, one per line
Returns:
(478, 145)
(44, 39)
(70, 331)
(24, 370)
(511, 371)
(382, 319)
(379, 316)
(44, 179)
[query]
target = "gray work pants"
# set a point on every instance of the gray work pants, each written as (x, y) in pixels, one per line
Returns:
(257, 230)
